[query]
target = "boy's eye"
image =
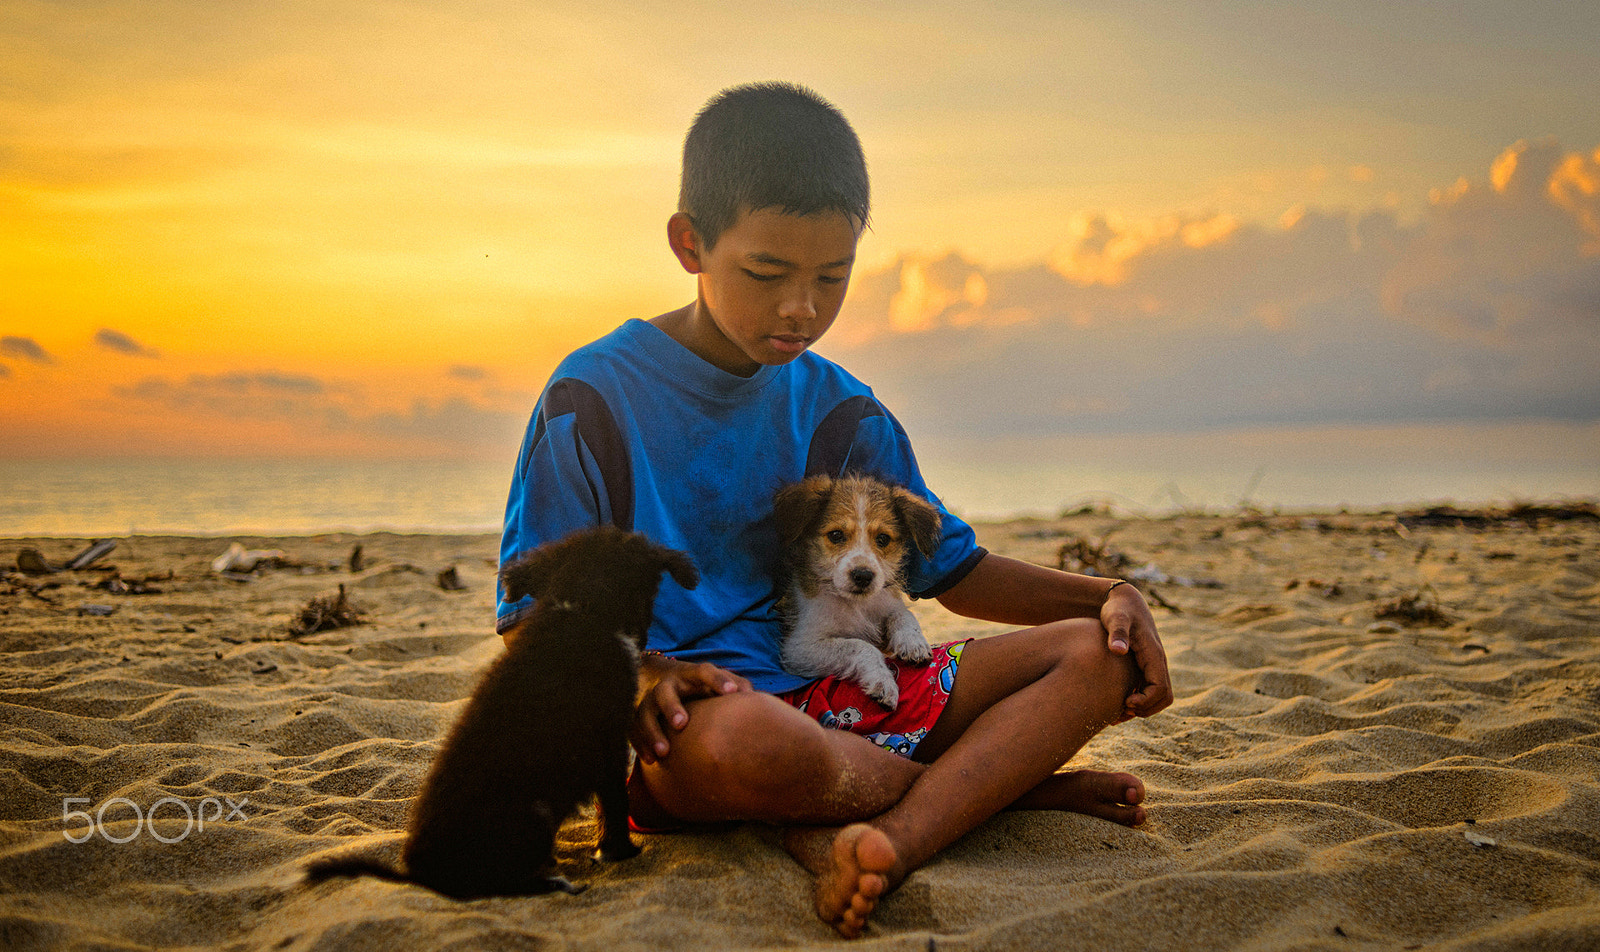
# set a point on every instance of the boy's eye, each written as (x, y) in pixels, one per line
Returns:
(884, 540)
(827, 279)
(836, 536)
(759, 276)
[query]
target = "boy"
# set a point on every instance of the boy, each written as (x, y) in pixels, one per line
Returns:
(682, 427)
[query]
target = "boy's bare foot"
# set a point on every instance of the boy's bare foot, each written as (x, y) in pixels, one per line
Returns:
(1106, 796)
(855, 867)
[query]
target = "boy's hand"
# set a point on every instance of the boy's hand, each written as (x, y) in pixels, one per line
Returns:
(1131, 627)
(667, 684)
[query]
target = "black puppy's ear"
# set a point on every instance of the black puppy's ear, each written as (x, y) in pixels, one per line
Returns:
(679, 566)
(796, 506)
(527, 572)
(921, 520)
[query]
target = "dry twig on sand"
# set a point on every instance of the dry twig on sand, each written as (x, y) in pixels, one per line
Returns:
(1078, 554)
(326, 613)
(1418, 609)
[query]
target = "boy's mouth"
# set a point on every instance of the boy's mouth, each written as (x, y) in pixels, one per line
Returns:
(789, 343)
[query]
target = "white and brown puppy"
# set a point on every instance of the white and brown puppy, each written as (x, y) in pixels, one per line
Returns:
(546, 728)
(845, 543)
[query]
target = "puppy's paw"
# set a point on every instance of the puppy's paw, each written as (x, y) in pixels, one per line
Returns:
(907, 642)
(556, 883)
(612, 852)
(883, 690)
(915, 649)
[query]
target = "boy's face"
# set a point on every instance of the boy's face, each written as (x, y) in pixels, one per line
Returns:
(769, 288)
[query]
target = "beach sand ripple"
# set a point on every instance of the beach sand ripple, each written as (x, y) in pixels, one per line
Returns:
(1331, 776)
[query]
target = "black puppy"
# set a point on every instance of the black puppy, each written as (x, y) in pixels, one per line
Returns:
(546, 728)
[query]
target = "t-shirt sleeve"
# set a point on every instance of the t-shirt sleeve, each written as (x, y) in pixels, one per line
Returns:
(567, 478)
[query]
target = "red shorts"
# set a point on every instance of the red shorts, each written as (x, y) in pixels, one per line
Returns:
(924, 691)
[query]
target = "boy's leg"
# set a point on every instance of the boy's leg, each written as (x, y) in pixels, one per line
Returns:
(1022, 705)
(751, 756)
(1005, 665)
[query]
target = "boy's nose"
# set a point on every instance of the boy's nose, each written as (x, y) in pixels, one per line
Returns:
(800, 305)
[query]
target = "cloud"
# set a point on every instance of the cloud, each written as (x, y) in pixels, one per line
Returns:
(1515, 258)
(1575, 186)
(25, 348)
(471, 373)
(1103, 248)
(928, 294)
(123, 344)
(1488, 308)
(451, 422)
(314, 406)
(241, 395)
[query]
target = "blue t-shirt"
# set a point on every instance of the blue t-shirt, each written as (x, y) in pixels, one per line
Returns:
(636, 431)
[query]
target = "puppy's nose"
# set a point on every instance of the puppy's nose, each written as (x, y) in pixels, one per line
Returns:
(861, 578)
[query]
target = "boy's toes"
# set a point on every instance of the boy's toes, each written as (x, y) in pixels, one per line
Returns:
(858, 873)
(1110, 796)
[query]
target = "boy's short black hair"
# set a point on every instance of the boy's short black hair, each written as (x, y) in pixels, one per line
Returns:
(770, 145)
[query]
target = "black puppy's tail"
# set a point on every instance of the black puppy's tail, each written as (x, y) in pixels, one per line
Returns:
(324, 869)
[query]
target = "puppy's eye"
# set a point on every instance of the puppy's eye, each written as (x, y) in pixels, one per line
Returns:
(836, 536)
(884, 540)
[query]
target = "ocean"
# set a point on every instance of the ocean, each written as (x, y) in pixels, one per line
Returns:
(1328, 469)
(112, 497)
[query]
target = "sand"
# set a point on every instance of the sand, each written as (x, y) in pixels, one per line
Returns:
(1327, 779)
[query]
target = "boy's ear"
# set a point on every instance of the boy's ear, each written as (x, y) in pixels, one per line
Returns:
(920, 518)
(685, 242)
(796, 506)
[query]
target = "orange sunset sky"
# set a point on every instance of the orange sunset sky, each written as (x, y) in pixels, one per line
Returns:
(309, 228)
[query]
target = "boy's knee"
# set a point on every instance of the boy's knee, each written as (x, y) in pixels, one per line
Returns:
(1079, 642)
(724, 727)
(746, 740)
(1085, 653)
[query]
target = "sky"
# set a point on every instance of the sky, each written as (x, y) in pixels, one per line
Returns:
(373, 228)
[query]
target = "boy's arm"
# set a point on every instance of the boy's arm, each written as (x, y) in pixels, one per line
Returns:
(1013, 592)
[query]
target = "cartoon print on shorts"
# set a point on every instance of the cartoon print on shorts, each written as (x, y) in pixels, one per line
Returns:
(840, 720)
(902, 744)
(947, 671)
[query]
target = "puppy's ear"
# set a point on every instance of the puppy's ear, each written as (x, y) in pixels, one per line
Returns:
(921, 519)
(527, 572)
(796, 506)
(678, 565)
